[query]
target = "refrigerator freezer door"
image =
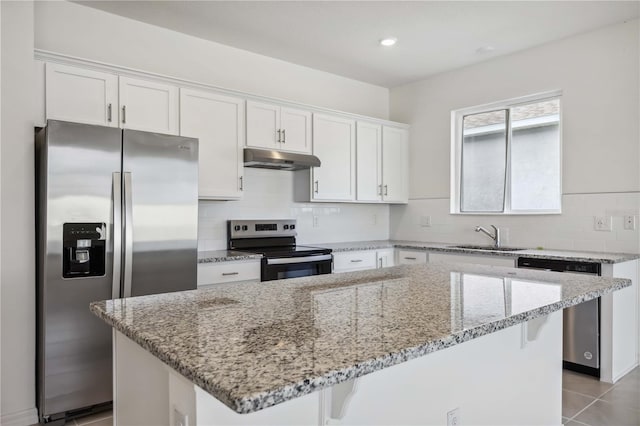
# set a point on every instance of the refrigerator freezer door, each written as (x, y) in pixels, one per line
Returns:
(75, 170)
(160, 175)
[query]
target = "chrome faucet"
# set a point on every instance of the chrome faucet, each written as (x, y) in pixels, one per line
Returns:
(495, 237)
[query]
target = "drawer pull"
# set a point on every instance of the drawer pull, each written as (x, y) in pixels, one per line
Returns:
(356, 260)
(411, 258)
(226, 274)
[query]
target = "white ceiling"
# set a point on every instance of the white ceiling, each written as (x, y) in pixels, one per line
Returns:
(342, 37)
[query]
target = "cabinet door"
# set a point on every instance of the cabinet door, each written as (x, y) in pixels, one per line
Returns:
(296, 130)
(386, 258)
(395, 160)
(81, 95)
(263, 124)
(334, 144)
(368, 162)
(148, 105)
(218, 123)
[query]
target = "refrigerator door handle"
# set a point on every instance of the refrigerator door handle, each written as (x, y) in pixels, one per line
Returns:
(117, 234)
(128, 236)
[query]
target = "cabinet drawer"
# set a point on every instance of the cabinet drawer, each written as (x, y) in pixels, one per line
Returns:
(224, 272)
(354, 261)
(408, 257)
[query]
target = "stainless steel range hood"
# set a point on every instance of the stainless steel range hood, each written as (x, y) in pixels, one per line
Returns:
(269, 159)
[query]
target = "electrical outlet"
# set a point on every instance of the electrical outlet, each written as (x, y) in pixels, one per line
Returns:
(425, 220)
(453, 417)
(602, 223)
(630, 223)
(316, 222)
(179, 418)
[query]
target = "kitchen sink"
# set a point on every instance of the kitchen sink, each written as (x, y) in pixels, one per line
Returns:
(489, 248)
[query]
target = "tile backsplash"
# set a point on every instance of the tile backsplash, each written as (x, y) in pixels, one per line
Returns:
(269, 195)
(571, 230)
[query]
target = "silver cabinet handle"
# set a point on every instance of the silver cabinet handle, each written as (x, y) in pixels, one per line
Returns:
(241, 183)
(279, 135)
(316, 185)
(386, 190)
(124, 114)
(225, 274)
(356, 260)
(128, 235)
(379, 189)
(117, 235)
(380, 262)
(411, 258)
(109, 113)
(284, 136)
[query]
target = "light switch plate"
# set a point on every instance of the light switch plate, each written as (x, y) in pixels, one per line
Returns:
(425, 220)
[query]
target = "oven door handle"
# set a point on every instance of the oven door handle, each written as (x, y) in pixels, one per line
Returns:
(304, 259)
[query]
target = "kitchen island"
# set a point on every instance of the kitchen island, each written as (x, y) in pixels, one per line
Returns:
(401, 345)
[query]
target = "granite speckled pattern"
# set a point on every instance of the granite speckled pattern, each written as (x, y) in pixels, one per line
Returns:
(585, 256)
(214, 256)
(263, 343)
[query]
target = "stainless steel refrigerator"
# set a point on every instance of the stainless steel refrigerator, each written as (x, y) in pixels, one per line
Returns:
(117, 217)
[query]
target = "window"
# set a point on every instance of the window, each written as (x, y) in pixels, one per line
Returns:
(506, 157)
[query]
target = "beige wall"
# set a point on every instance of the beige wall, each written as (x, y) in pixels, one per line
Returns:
(17, 275)
(84, 32)
(599, 75)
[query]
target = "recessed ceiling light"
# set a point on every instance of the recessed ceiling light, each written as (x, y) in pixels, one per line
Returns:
(485, 49)
(389, 41)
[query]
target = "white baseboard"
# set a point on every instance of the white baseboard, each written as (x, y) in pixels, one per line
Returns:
(20, 418)
(625, 372)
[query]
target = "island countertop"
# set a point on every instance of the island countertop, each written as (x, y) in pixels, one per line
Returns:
(263, 343)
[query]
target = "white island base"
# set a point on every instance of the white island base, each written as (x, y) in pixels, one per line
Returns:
(510, 377)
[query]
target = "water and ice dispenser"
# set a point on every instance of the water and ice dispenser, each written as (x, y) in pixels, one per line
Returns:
(84, 249)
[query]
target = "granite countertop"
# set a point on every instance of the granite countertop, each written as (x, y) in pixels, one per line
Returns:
(262, 344)
(214, 256)
(585, 256)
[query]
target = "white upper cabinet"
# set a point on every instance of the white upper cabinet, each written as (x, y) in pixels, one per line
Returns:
(81, 95)
(148, 105)
(274, 127)
(218, 123)
(369, 162)
(334, 143)
(296, 130)
(395, 170)
(263, 125)
(382, 164)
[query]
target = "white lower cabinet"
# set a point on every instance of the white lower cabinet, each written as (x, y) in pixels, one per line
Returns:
(412, 257)
(354, 261)
(465, 258)
(386, 258)
(224, 272)
(363, 260)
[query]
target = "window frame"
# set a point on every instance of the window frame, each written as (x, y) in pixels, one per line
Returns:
(457, 117)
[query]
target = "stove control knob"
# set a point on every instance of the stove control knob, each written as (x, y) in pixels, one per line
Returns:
(286, 227)
(245, 228)
(236, 228)
(292, 227)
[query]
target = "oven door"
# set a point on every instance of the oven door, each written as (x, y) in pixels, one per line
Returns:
(292, 267)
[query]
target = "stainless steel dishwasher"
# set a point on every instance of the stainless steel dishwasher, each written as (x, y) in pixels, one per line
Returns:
(581, 323)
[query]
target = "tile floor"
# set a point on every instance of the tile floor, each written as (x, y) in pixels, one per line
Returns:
(587, 401)
(100, 419)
